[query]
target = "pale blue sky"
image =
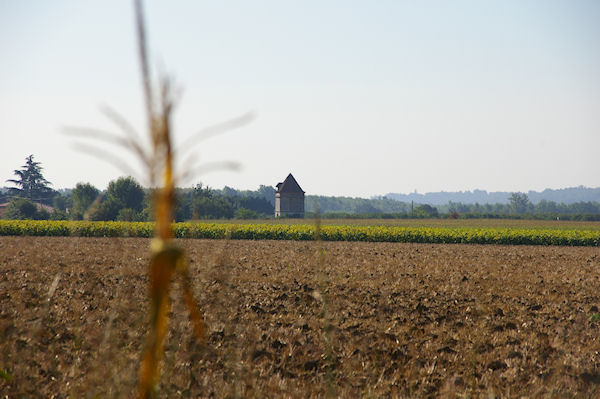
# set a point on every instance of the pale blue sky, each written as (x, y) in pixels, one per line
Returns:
(354, 98)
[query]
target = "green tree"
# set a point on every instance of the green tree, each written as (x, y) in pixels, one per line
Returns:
(130, 215)
(519, 202)
(243, 213)
(60, 202)
(128, 192)
(30, 182)
(57, 214)
(425, 211)
(205, 204)
(123, 193)
(268, 193)
(21, 208)
(364, 206)
(258, 205)
(546, 207)
(83, 196)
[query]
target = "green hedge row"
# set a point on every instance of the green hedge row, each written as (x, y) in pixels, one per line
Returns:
(306, 232)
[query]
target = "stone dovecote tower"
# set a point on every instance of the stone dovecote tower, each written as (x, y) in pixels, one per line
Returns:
(289, 198)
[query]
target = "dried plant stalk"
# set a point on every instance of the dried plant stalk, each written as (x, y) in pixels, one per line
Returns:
(167, 259)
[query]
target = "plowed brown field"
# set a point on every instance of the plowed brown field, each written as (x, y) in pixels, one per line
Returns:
(367, 320)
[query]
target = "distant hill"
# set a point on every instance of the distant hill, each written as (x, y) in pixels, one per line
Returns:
(563, 195)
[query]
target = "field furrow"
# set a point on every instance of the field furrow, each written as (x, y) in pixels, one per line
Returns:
(366, 319)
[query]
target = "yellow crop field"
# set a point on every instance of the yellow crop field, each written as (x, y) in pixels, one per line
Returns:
(303, 232)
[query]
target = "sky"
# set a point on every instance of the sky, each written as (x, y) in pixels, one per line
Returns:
(354, 98)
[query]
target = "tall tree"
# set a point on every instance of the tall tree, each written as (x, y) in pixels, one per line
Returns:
(83, 196)
(268, 193)
(519, 202)
(124, 200)
(127, 192)
(30, 182)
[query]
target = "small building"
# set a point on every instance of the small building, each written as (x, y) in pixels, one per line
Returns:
(289, 198)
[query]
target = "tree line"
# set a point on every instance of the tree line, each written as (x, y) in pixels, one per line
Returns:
(125, 199)
(560, 196)
(518, 207)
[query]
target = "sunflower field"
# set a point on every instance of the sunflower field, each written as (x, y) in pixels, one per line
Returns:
(303, 232)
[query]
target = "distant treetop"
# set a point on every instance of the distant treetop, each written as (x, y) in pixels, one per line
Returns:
(30, 182)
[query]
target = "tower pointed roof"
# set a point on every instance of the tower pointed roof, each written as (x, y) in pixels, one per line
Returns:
(289, 185)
